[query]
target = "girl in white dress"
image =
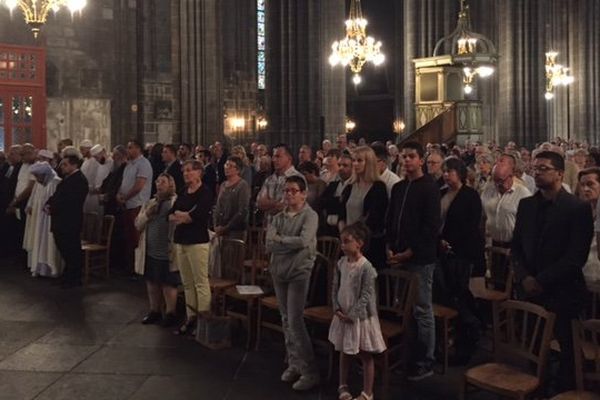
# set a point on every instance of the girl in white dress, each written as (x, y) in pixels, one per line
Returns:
(355, 329)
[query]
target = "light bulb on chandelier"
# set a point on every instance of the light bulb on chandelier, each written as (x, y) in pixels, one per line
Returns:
(356, 79)
(468, 89)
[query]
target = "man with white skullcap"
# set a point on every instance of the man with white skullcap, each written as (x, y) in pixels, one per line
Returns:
(103, 168)
(85, 147)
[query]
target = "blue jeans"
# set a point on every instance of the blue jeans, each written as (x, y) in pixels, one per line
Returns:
(422, 351)
(291, 297)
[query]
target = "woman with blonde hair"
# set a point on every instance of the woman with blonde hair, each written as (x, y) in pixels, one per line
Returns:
(246, 173)
(153, 256)
(365, 200)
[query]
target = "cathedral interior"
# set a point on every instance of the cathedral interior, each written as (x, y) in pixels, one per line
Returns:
(245, 70)
(261, 71)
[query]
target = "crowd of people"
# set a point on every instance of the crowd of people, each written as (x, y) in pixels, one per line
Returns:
(429, 209)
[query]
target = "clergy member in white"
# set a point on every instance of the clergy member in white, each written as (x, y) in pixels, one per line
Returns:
(89, 169)
(103, 168)
(43, 257)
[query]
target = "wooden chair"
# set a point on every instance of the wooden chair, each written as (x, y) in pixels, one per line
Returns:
(89, 228)
(256, 261)
(586, 342)
(397, 295)
(269, 303)
(329, 246)
(478, 286)
(522, 332)
(92, 250)
(444, 317)
(232, 252)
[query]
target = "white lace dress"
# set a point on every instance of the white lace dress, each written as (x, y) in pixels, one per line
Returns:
(361, 335)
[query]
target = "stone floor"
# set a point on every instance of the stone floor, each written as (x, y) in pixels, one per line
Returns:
(81, 344)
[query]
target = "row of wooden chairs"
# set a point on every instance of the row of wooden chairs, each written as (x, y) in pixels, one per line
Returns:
(96, 239)
(522, 336)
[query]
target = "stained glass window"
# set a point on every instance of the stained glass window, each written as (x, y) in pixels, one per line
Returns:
(261, 44)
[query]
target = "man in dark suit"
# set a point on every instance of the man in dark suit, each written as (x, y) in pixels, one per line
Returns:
(173, 166)
(551, 242)
(9, 243)
(66, 208)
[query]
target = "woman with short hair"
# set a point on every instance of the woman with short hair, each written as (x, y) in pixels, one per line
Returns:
(190, 214)
(246, 172)
(231, 212)
(153, 258)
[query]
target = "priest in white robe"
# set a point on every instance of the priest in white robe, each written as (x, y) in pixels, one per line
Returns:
(103, 167)
(43, 257)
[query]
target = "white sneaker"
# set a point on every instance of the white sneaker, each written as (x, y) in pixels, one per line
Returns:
(290, 375)
(306, 382)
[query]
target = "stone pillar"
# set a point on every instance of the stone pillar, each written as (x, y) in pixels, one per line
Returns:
(303, 98)
(200, 70)
(584, 59)
(521, 113)
(333, 86)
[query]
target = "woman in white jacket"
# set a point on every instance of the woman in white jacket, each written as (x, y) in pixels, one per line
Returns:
(153, 255)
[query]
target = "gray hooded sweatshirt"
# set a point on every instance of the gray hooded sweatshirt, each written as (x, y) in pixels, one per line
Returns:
(292, 242)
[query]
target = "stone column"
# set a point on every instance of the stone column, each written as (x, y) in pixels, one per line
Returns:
(521, 113)
(304, 100)
(584, 60)
(200, 69)
(333, 86)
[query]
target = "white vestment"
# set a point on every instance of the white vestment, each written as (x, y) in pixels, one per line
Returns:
(43, 258)
(89, 169)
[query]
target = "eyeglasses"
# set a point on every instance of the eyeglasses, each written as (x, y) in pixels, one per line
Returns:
(543, 168)
(291, 191)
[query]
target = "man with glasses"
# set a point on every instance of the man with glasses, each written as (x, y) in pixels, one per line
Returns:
(386, 176)
(500, 201)
(550, 246)
(434, 167)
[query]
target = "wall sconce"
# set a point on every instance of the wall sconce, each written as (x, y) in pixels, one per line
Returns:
(350, 125)
(262, 123)
(399, 126)
(556, 75)
(238, 123)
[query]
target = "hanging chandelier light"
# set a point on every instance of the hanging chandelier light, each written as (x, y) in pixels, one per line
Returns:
(475, 52)
(35, 12)
(356, 49)
(556, 75)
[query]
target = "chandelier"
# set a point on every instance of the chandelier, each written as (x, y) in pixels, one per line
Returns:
(35, 12)
(556, 75)
(356, 49)
(475, 52)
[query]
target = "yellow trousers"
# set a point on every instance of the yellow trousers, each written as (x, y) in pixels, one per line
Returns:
(192, 260)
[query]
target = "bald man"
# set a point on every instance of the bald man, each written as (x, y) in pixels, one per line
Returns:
(500, 200)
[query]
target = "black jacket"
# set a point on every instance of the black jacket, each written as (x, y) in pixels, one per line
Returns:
(175, 171)
(462, 228)
(374, 207)
(413, 219)
(66, 204)
(551, 242)
(330, 205)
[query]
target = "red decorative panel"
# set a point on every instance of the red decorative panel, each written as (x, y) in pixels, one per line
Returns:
(22, 96)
